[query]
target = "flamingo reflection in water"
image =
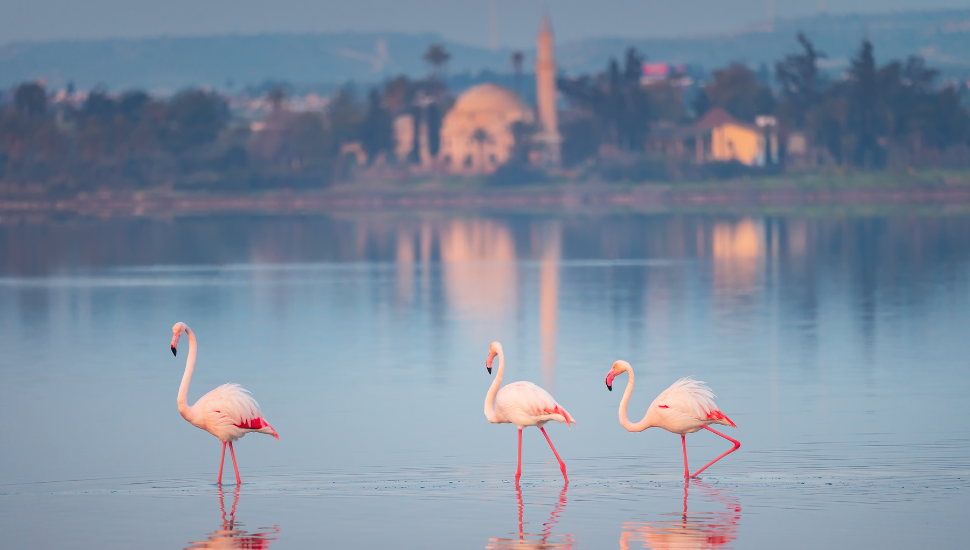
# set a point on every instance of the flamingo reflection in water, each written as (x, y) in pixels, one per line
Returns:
(231, 536)
(536, 541)
(691, 529)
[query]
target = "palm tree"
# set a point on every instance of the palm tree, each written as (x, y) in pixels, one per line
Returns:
(517, 59)
(481, 138)
(437, 56)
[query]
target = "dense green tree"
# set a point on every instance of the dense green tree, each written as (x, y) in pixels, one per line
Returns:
(634, 120)
(345, 115)
(434, 116)
(398, 94)
(132, 104)
(615, 102)
(377, 128)
(30, 99)
(737, 90)
(863, 107)
(194, 118)
(581, 139)
(800, 82)
(276, 97)
(308, 146)
(99, 104)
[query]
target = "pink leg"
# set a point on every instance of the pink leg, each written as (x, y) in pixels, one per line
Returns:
(561, 465)
(683, 441)
(518, 471)
(233, 453)
(222, 461)
(737, 445)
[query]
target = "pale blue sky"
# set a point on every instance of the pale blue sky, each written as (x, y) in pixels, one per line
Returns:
(459, 20)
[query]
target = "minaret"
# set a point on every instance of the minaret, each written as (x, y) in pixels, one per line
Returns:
(548, 137)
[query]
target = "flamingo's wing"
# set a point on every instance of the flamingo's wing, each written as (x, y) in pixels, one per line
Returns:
(535, 400)
(233, 404)
(695, 398)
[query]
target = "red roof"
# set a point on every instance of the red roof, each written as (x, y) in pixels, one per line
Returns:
(713, 118)
(719, 117)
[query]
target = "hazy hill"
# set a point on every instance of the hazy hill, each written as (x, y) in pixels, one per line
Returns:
(942, 37)
(169, 63)
(175, 62)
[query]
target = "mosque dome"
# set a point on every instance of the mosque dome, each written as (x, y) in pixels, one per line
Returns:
(476, 134)
(489, 98)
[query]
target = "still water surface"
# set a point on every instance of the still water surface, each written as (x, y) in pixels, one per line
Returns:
(839, 345)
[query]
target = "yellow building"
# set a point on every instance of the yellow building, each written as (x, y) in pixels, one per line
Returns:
(719, 137)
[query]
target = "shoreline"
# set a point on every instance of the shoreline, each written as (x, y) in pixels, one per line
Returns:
(566, 198)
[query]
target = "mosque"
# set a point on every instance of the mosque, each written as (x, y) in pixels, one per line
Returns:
(477, 133)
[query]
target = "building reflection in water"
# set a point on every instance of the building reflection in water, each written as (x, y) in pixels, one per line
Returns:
(736, 248)
(478, 264)
(546, 539)
(478, 258)
(688, 529)
(549, 245)
(230, 534)
(405, 265)
(479, 270)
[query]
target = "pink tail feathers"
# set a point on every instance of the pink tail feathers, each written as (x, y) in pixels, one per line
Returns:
(566, 415)
(260, 425)
(270, 431)
(721, 418)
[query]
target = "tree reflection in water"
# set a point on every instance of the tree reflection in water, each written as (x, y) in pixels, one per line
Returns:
(536, 541)
(690, 529)
(231, 536)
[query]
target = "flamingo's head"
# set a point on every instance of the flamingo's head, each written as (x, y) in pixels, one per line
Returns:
(177, 331)
(616, 369)
(494, 349)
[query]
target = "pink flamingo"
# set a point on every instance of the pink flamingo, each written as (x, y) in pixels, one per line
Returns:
(227, 412)
(523, 404)
(685, 407)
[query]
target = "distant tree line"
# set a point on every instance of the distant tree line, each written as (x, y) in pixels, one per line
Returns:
(897, 114)
(137, 141)
(873, 116)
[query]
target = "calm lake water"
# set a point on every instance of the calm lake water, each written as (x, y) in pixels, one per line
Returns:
(839, 344)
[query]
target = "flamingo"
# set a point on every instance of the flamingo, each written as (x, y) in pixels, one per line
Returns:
(523, 404)
(227, 412)
(685, 407)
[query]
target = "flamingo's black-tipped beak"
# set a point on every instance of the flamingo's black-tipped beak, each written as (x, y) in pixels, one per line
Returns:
(488, 363)
(609, 380)
(174, 351)
(609, 387)
(489, 369)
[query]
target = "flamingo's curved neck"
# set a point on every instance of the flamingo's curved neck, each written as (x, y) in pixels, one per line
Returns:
(490, 396)
(624, 420)
(187, 377)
